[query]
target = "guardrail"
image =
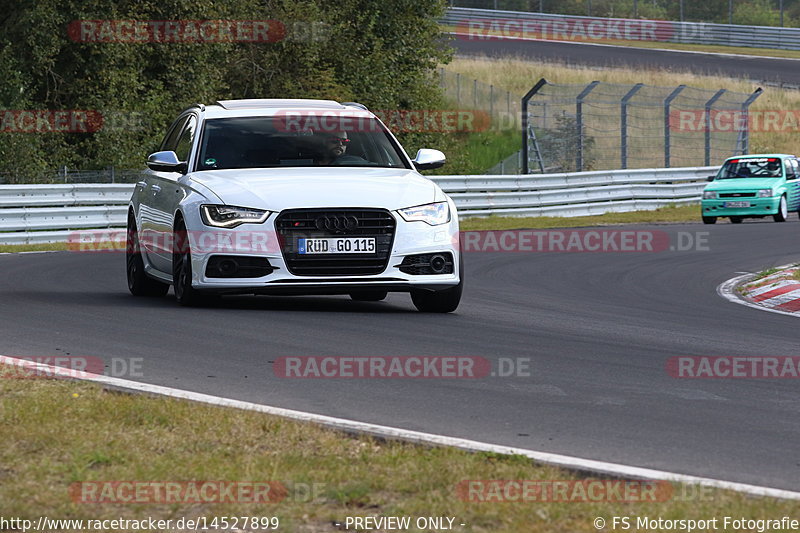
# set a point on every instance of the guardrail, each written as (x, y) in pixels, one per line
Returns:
(480, 23)
(31, 214)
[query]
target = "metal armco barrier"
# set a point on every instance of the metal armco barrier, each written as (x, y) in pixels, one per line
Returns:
(32, 214)
(478, 23)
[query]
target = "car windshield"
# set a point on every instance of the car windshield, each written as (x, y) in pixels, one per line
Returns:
(297, 141)
(762, 167)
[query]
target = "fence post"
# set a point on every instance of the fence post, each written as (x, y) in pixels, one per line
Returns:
(474, 94)
(524, 110)
(458, 89)
(491, 101)
(667, 103)
(579, 123)
(710, 103)
(624, 124)
(744, 133)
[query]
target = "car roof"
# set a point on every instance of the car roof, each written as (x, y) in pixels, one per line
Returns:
(753, 156)
(272, 106)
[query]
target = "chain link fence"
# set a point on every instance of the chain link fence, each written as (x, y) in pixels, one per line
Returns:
(604, 126)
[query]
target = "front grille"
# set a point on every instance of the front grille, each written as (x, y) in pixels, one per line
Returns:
(295, 224)
(737, 195)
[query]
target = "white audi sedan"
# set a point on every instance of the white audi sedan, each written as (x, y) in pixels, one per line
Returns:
(291, 197)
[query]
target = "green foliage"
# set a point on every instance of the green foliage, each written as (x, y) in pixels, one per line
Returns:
(379, 53)
(560, 145)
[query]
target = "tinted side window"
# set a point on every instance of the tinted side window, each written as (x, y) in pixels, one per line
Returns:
(184, 144)
(171, 139)
(795, 170)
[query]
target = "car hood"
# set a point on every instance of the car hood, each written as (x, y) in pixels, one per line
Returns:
(276, 189)
(743, 184)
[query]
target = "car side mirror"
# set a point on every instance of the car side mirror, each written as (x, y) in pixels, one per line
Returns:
(710, 178)
(428, 159)
(165, 162)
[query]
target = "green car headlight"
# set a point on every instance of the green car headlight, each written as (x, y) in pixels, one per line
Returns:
(765, 193)
(710, 195)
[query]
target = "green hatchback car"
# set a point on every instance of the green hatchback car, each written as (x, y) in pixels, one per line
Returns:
(753, 186)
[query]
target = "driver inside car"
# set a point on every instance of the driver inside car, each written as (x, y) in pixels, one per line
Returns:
(332, 151)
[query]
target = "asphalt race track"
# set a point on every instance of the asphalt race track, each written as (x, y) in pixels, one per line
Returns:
(751, 68)
(598, 329)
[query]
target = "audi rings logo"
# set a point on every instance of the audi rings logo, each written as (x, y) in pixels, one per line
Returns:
(337, 224)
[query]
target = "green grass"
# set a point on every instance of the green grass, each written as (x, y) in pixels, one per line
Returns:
(13, 248)
(476, 153)
(688, 213)
(56, 433)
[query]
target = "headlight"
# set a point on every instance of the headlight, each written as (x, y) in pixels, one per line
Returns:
(765, 193)
(433, 214)
(228, 216)
(710, 195)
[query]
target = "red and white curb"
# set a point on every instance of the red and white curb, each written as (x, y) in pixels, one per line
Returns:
(779, 292)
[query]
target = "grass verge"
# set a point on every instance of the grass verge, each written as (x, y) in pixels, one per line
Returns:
(519, 75)
(57, 433)
(689, 213)
(715, 49)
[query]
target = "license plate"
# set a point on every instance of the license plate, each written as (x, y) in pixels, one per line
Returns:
(341, 245)
(737, 204)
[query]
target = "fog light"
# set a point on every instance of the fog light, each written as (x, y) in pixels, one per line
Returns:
(438, 262)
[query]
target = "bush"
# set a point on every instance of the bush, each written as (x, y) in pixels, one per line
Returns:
(379, 53)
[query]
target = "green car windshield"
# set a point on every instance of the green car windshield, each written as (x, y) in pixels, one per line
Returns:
(762, 167)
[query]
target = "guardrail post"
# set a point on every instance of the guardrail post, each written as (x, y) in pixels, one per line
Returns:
(579, 122)
(458, 89)
(667, 126)
(491, 101)
(624, 124)
(743, 142)
(474, 94)
(710, 103)
(524, 110)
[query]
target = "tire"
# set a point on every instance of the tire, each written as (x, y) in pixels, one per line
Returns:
(736, 220)
(444, 301)
(185, 294)
(139, 283)
(369, 296)
(782, 213)
(709, 220)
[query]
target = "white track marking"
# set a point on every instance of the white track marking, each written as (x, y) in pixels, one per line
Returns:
(352, 426)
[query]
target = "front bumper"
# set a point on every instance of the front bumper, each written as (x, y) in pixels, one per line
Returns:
(410, 238)
(758, 207)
